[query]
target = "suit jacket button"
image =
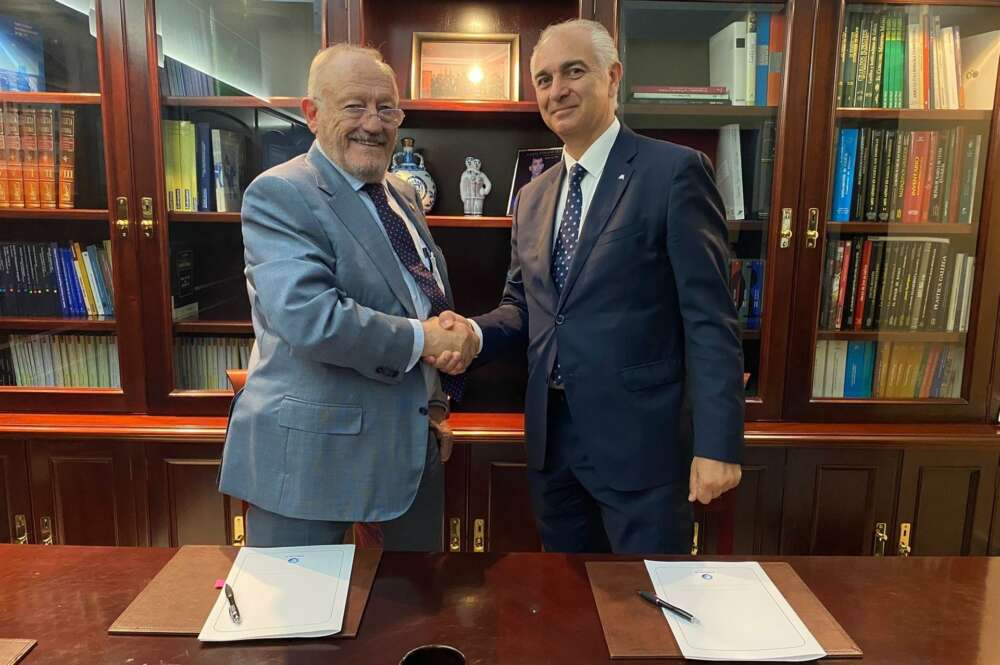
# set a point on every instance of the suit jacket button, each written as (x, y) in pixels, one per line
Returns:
(559, 319)
(423, 410)
(380, 370)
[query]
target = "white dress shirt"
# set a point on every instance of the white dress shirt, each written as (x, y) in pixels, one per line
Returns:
(420, 300)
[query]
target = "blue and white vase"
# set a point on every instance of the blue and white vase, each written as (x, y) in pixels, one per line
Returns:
(409, 166)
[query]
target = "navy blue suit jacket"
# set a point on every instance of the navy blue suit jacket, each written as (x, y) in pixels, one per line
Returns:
(645, 314)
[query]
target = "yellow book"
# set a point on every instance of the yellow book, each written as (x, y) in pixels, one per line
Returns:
(81, 272)
(189, 166)
(168, 164)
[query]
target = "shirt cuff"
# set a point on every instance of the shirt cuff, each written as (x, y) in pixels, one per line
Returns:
(479, 335)
(418, 343)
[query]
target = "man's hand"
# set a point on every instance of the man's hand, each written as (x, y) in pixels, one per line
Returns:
(711, 478)
(445, 438)
(453, 360)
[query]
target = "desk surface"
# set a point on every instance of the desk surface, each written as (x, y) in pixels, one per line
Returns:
(522, 609)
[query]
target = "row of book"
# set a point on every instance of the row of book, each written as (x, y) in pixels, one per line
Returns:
(64, 361)
(203, 167)
(894, 175)
(745, 169)
(200, 363)
(896, 283)
(908, 59)
(180, 80)
(37, 157)
(887, 370)
(59, 280)
(746, 283)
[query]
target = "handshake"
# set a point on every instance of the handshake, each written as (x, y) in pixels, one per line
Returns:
(450, 342)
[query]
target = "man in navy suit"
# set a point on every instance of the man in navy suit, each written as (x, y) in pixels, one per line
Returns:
(618, 287)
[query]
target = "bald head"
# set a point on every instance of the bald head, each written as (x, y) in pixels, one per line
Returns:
(331, 63)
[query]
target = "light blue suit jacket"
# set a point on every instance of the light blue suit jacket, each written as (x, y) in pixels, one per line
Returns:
(330, 425)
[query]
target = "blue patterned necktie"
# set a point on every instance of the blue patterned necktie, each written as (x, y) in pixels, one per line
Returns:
(569, 232)
(402, 244)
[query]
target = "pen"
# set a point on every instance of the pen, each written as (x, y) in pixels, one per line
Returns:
(234, 612)
(659, 602)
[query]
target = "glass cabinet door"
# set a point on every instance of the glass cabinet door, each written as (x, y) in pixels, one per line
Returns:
(62, 247)
(228, 80)
(898, 305)
(711, 76)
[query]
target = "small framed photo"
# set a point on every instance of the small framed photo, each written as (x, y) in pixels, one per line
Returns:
(530, 164)
(465, 66)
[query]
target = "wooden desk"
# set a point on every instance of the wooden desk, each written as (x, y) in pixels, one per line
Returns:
(521, 609)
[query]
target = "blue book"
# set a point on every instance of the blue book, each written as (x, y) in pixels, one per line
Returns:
(756, 294)
(939, 371)
(75, 290)
(854, 381)
(22, 60)
(869, 369)
(843, 183)
(763, 41)
(94, 266)
(203, 157)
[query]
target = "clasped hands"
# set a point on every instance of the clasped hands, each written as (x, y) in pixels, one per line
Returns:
(450, 343)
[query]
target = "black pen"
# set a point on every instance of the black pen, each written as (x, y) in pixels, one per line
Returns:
(234, 612)
(659, 602)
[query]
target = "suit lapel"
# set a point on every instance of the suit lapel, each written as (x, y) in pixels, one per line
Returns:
(417, 219)
(546, 216)
(347, 205)
(614, 180)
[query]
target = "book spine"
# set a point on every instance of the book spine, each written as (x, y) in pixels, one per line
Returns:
(46, 159)
(4, 200)
(12, 134)
(67, 158)
(29, 158)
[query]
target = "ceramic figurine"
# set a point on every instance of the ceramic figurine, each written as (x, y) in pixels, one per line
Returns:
(474, 187)
(409, 166)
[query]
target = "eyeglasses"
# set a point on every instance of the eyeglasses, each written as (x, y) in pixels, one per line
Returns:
(390, 117)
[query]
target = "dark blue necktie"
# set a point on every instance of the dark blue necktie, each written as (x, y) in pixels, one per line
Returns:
(569, 232)
(402, 244)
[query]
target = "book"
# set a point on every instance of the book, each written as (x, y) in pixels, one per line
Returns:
(12, 140)
(67, 158)
(228, 152)
(29, 157)
(183, 299)
(46, 158)
(727, 60)
(843, 184)
(22, 59)
(4, 202)
(729, 174)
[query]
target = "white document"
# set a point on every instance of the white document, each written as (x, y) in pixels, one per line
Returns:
(740, 614)
(283, 592)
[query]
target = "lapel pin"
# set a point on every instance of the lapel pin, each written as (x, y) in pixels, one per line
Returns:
(621, 176)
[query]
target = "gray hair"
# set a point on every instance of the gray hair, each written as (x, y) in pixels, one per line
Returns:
(330, 53)
(600, 39)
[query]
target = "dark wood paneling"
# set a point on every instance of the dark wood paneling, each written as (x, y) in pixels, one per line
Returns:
(86, 491)
(498, 494)
(185, 506)
(947, 498)
(834, 498)
(14, 496)
(456, 499)
(758, 502)
(995, 528)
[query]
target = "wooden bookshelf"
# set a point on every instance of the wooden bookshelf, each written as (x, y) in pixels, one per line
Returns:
(902, 228)
(713, 110)
(56, 325)
(914, 114)
(460, 221)
(235, 102)
(203, 217)
(34, 214)
(892, 336)
(213, 327)
(449, 106)
(68, 98)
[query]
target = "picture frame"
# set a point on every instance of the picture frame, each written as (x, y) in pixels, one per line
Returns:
(460, 66)
(530, 164)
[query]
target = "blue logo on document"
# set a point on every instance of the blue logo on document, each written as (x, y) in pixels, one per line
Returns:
(706, 576)
(294, 560)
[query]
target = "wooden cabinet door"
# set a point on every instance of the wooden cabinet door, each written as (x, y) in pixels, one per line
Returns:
(185, 505)
(456, 499)
(499, 503)
(15, 501)
(835, 498)
(82, 492)
(946, 500)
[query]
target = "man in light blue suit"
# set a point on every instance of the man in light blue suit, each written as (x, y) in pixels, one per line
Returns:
(339, 419)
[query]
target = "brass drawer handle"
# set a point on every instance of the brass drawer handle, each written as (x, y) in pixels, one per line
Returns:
(46, 530)
(455, 534)
(20, 529)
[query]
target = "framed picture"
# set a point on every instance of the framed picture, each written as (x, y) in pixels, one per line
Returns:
(530, 164)
(465, 66)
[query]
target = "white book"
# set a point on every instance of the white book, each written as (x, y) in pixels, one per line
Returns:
(116, 379)
(92, 372)
(937, 63)
(980, 55)
(970, 272)
(914, 59)
(88, 262)
(729, 172)
(836, 368)
(819, 369)
(103, 362)
(727, 60)
(59, 361)
(957, 271)
(948, 53)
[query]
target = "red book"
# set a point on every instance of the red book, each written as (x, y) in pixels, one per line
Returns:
(928, 175)
(915, 165)
(862, 279)
(845, 269)
(933, 356)
(926, 83)
(776, 52)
